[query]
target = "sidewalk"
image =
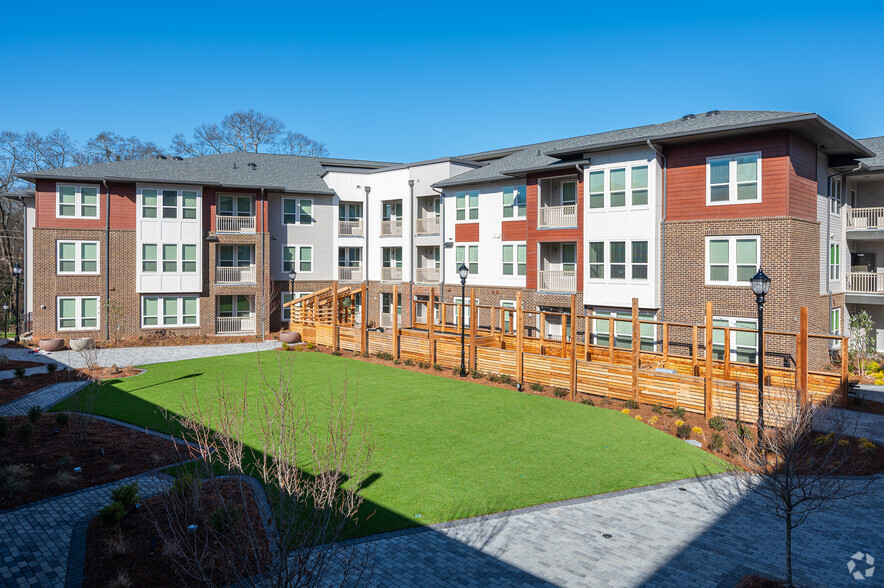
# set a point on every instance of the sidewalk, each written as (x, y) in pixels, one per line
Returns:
(125, 356)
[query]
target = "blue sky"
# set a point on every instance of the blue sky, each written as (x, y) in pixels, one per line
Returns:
(410, 81)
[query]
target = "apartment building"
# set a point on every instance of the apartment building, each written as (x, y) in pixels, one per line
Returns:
(674, 214)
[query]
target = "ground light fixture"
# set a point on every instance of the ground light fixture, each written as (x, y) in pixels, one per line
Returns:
(463, 271)
(16, 278)
(760, 285)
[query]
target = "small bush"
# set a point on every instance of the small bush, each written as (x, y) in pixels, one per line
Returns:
(537, 387)
(112, 514)
(654, 420)
(866, 445)
(384, 355)
(476, 374)
(698, 431)
(117, 545)
(19, 372)
(716, 423)
(506, 379)
(225, 517)
(34, 413)
(25, 432)
(677, 412)
(744, 433)
(683, 431)
(438, 367)
(625, 411)
(186, 484)
(492, 377)
(62, 418)
(716, 443)
(337, 353)
(559, 392)
(285, 346)
(51, 367)
(396, 362)
(311, 346)
(4, 426)
(408, 362)
(631, 404)
(639, 418)
(423, 365)
(127, 494)
(679, 423)
(657, 408)
(587, 401)
(843, 442)
(872, 367)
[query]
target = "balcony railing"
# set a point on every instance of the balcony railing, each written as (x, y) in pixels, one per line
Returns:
(427, 226)
(350, 228)
(427, 275)
(235, 275)
(234, 224)
(557, 216)
(349, 273)
(866, 218)
(235, 325)
(391, 228)
(391, 274)
(865, 282)
(557, 281)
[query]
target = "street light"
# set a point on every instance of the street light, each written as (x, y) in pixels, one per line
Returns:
(292, 274)
(5, 316)
(760, 285)
(16, 272)
(463, 271)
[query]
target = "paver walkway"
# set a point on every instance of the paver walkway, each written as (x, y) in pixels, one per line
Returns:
(19, 354)
(144, 355)
(44, 398)
(854, 423)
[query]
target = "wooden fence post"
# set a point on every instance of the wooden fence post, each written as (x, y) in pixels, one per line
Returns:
(708, 357)
(694, 350)
(636, 348)
(335, 316)
(573, 318)
(431, 331)
(844, 371)
(665, 349)
(587, 336)
(363, 328)
(474, 320)
(413, 304)
(520, 338)
(611, 326)
(801, 359)
(395, 321)
(727, 353)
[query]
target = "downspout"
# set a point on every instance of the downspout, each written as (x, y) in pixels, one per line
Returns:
(366, 307)
(659, 152)
(442, 245)
(829, 231)
(264, 228)
(411, 254)
(106, 261)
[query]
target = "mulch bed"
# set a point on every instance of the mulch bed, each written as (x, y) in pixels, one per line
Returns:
(43, 466)
(11, 364)
(753, 581)
(865, 405)
(15, 388)
(125, 549)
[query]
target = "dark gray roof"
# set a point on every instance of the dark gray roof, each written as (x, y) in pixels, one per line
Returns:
(19, 195)
(287, 173)
(876, 146)
(532, 157)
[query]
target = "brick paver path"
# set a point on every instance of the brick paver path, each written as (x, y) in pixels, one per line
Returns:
(45, 398)
(144, 355)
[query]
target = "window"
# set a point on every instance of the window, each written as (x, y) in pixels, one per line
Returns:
(148, 257)
(835, 196)
(622, 186)
(236, 305)
(514, 260)
(639, 188)
(169, 311)
(234, 255)
(349, 211)
(618, 260)
(597, 189)
(387, 308)
(509, 318)
(742, 346)
(188, 258)
(188, 204)
(235, 206)
(76, 202)
(597, 261)
(467, 205)
(170, 203)
(623, 330)
(569, 193)
(835, 321)
(835, 261)
(731, 261)
(639, 260)
(733, 179)
(349, 257)
(392, 256)
(297, 211)
(569, 257)
(298, 258)
(288, 297)
(77, 257)
(77, 313)
(467, 305)
(468, 254)
(617, 181)
(170, 258)
(148, 203)
(514, 201)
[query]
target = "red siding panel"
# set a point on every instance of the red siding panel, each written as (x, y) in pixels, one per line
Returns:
(513, 230)
(535, 236)
(466, 232)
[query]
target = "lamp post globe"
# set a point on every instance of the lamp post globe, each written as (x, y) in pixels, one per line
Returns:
(292, 274)
(463, 272)
(760, 284)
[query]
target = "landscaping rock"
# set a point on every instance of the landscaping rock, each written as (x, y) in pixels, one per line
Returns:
(289, 337)
(693, 442)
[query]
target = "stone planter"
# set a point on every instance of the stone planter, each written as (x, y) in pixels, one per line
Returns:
(51, 344)
(289, 337)
(82, 344)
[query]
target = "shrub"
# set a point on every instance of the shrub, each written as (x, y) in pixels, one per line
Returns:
(51, 367)
(559, 392)
(424, 365)
(384, 355)
(679, 423)
(866, 445)
(476, 374)
(25, 432)
(34, 413)
(716, 423)
(683, 431)
(225, 516)
(117, 545)
(492, 377)
(843, 442)
(654, 419)
(625, 411)
(62, 418)
(743, 432)
(311, 346)
(285, 346)
(716, 443)
(639, 418)
(366, 354)
(408, 362)
(872, 367)
(127, 494)
(657, 408)
(19, 372)
(824, 440)
(4, 426)
(698, 431)
(186, 484)
(631, 404)
(587, 401)
(455, 371)
(337, 353)
(396, 362)
(506, 379)
(537, 387)
(677, 412)
(438, 367)
(112, 514)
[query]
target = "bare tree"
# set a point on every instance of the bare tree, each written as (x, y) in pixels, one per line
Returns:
(795, 471)
(300, 144)
(108, 146)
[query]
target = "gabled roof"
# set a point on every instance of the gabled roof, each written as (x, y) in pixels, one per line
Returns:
(287, 173)
(876, 146)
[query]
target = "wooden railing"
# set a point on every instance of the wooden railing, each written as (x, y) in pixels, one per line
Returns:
(391, 228)
(426, 226)
(557, 216)
(235, 275)
(229, 325)
(351, 228)
(427, 275)
(866, 218)
(350, 273)
(234, 224)
(865, 282)
(391, 274)
(557, 281)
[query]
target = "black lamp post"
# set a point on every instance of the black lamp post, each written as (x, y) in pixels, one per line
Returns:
(16, 276)
(292, 274)
(463, 271)
(5, 316)
(760, 285)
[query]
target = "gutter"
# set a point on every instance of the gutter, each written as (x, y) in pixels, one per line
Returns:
(107, 261)
(829, 230)
(659, 152)
(265, 208)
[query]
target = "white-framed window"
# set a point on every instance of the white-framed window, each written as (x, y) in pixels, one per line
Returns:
(834, 261)
(468, 254)
(569, 192)
(350, 211)
(597, 189)
(743, 345)
(466, 205)
(236, 205)
(149, 202)
(623, 329)
(509, 318)
(597, 260)
(76, 201)
(638, 187)
(732, 260)
(297, 211)
(467, 305)
(77, 313)
(77, 257)
(164, 257)
(391, 257)
(639, 260)
(835, 195)
(733, 179)
(618, 186)
(170, 257)
(188, 258)
(235, 255)
(169, 311)
(626, 260)
(288, 297)
(515, 262)
(387, 307)
(835, 321)
(235, 305)
(515, 201)
(617, 256)
(149, 257)
(298, 258)
(169, 203)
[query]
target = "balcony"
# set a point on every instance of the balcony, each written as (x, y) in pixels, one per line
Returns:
(427, 275)
(391, 228)
(557, 281)
(551, 217)
(245, 274)
(235, 325)
(391, 274)
(865, 218)
(865, 283)
(349, 273)
(350, 228)
(427, 226)
(234, 224)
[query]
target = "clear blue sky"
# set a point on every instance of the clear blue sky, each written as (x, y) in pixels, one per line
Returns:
(417, 80)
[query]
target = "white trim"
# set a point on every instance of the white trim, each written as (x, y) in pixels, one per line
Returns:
(467, 208)
(78, 200)
(180, 310)
(78, 317)
(515, 261)
(514, 206)
(605, 169)
(732, 179)
(179, 203)
(606, 263)
(297, 260)
(78, 259)
(833, 313)
(282, 301)
(297, 201)
(466, 259)
(732, 258)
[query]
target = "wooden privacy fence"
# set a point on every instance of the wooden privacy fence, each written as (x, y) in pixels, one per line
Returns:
(665, 368)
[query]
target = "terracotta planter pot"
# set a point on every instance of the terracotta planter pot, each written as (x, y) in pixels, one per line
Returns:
(51, 344)
(289, 337)
(81, 344)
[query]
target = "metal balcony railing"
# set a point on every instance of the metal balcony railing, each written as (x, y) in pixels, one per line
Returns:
(350, 228)
(391, 228)
(557, 216)
(557, 280)
(426, 226)
(866, 218)
(234, 325)
(244, 274)
(350, 273)
(234, 224)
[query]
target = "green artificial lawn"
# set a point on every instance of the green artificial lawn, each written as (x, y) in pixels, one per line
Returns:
(445, 448)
